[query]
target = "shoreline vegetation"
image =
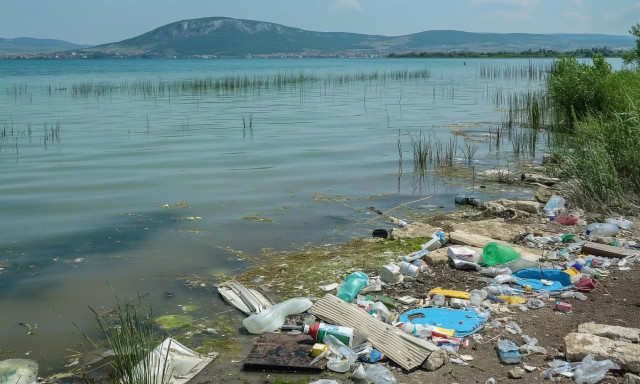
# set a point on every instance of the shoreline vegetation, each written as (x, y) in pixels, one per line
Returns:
(540, 53)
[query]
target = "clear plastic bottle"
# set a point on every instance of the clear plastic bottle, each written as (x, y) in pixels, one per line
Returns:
(352, 285)
(554, 205)
(379, 374)
(273, 317)
(602, 229)
(339, 349)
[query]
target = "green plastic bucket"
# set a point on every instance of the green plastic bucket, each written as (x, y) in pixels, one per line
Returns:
(496, 253)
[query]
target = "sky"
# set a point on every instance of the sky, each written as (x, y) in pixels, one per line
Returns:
(104, 21)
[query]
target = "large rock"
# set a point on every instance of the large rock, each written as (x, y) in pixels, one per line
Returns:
(435, 360)
(610, 331)
(626, 355)
(630, 378)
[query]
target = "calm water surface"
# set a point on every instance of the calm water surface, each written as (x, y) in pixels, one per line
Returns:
(134, 191)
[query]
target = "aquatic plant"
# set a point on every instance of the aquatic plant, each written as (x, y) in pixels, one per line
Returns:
(131, 338)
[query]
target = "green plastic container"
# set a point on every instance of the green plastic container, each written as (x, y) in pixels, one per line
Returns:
(496, 253)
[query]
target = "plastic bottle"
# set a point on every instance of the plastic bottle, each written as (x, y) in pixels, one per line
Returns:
(352, 285)
(495, 271)
(621, 223)
(340, 349)
(565, 220)
(273, 317)
(438, 300)
(554, 205)
(602, 229)
(319, 330)
(589, 272)
(379, 374)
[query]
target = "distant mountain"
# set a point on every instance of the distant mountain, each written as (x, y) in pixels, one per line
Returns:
(227, 37)
(29, 45)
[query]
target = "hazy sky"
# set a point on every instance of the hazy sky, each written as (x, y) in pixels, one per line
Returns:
(104, 21)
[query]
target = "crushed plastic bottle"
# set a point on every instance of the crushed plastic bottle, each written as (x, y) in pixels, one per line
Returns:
(572, 294)
(495, 271)
(602, 229)
(590, 371)
(339, 349)
(379, 374)
(273, 317)
(621, 223)
(554, 205)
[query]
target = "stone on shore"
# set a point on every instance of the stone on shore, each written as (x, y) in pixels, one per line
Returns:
(626, 355)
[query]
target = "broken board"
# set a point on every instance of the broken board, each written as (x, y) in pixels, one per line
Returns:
(597, 249)
(280, 352)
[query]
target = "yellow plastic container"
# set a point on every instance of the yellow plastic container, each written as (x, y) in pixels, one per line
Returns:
(318, 348)
(513, 299)
(450, 293)
(572, 271)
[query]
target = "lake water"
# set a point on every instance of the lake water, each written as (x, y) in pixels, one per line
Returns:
(126, 189)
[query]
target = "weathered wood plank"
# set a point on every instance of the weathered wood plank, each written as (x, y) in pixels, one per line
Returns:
(597, 249)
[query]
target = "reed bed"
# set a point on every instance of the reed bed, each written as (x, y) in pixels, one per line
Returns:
(233, 84)
(533, 70)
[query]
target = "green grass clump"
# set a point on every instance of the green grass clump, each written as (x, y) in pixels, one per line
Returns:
(132, 338)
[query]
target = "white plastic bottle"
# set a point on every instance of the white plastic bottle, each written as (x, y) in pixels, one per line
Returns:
(273, 317)
(602, 229)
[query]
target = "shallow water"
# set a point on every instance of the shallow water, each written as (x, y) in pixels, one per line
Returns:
(127, 191)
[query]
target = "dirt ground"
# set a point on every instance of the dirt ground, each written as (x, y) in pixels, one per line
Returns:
(616, 301)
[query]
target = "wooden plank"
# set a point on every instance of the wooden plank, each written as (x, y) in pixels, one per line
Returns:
(605, 250)
(405, 350)
(280, 352)
(479, 241)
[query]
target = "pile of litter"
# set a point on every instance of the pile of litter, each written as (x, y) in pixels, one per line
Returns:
(362, 331)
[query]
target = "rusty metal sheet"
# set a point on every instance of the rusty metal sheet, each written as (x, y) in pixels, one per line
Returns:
(280, 352)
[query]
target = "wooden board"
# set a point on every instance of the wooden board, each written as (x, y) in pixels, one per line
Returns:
(478, 241)
(404, 349)
(597, 249)
(281, 352)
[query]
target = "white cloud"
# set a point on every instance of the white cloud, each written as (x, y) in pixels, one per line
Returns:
(613, 16)
(575, 4)
(575, 17)
(511, 15)
(345, 4)
(521, 3)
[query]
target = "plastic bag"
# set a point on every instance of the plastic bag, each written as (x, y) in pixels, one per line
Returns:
(592, 371)
(379, 374)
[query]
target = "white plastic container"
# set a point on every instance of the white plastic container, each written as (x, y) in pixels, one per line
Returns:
(273, 317)
(432, 244)
(390, 273)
